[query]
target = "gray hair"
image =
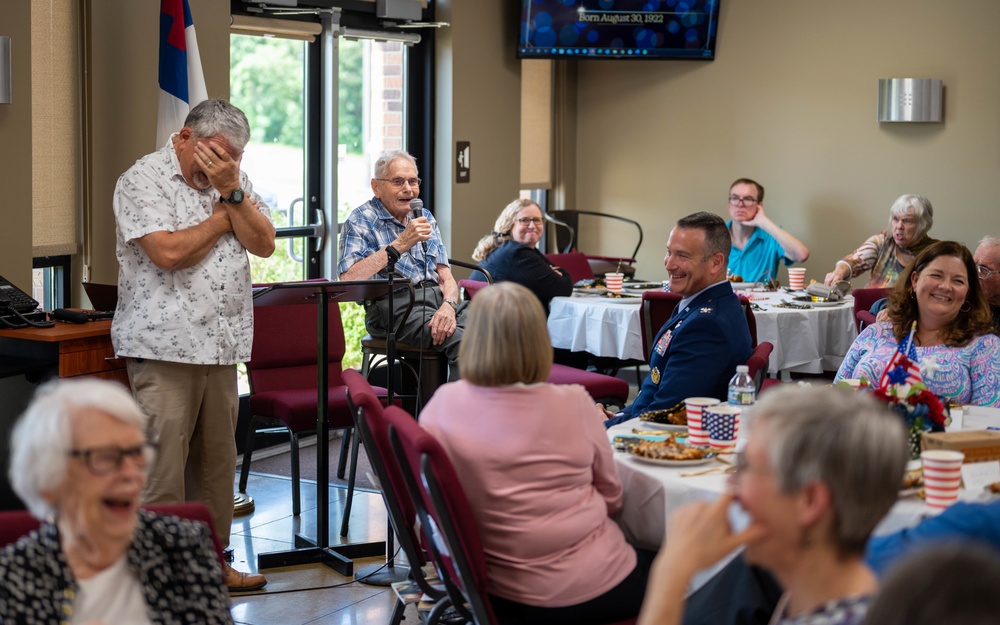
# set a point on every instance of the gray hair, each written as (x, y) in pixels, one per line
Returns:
(717, 237)
(386, 158)
(848, 441)
(218, 117)
(989, 241)
(914, 205)
(501, 229)
(43, 437)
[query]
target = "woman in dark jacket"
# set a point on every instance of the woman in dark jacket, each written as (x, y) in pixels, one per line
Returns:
(509, 253)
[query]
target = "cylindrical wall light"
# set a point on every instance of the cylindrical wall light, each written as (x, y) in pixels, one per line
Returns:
(909, 100)
(4, 70)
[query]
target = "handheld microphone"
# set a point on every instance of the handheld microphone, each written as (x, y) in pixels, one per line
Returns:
(417, 209)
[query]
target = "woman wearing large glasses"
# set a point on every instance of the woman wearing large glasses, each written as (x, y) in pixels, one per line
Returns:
(888, 252)
(79, 460)
(509, 253)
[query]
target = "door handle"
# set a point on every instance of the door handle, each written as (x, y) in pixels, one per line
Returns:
(316, 230)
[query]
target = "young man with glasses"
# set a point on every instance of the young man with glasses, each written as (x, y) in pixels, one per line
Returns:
(759, 244)
(384, 228)
(987, 257)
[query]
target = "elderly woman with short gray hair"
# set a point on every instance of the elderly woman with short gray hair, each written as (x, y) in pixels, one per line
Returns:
(887, 253)
(79, 459)
(821, 468)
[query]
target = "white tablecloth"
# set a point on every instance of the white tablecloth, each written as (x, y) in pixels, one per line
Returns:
(653, 493)
(598, 326)
(806, 341)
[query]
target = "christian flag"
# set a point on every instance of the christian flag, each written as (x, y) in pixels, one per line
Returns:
(182, 83)
(903, 367)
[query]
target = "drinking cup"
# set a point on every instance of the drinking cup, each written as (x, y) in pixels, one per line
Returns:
(722, 422)
(797, 278)
(942, 476)
(614, 281)
(695, 406)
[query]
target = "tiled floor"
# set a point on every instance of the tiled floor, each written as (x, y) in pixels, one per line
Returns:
(311, 593)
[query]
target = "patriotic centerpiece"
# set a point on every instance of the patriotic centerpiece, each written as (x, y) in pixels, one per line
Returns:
(902, 387)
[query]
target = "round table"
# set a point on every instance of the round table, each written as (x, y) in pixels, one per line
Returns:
(810, 340)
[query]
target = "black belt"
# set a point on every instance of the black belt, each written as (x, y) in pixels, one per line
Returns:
(416, 285)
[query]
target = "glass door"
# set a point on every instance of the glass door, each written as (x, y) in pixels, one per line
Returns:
(372, 105)
(268, 83)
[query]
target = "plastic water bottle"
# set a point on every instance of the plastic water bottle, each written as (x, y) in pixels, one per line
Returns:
(743, 393)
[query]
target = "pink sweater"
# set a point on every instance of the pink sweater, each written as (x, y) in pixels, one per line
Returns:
(539, 473)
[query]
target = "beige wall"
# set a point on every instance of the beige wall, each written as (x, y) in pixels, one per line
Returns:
(478, 100)
(15, 140)
(124, 57)
(791, 101)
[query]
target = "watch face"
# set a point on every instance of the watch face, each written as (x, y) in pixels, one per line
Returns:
(236, 197)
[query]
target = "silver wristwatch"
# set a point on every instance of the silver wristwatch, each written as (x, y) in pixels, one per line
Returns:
(451, 303)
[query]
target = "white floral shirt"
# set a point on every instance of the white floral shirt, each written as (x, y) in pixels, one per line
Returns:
(199, 315)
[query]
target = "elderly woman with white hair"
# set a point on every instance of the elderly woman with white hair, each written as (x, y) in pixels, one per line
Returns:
(887, 253)
(79, 459)
(509, 253)
(820, 470)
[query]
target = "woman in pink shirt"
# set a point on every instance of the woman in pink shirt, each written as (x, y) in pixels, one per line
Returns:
(536, 465)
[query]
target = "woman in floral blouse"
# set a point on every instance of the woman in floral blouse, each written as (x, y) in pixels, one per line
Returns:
(958, 354)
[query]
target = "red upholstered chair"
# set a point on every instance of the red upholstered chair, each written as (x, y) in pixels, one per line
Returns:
(863, 300)
(445, 516)
(604, 389)
(284, 376)
(757, 363)
(575, 263)
(657, 308)
(751, 320)
(567, 223)
(373, 430)
(17, 523)
(472, 287)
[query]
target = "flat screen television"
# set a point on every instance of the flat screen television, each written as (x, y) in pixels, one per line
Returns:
(618, 29)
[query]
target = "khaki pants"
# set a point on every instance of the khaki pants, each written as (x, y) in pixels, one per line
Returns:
(192, 413)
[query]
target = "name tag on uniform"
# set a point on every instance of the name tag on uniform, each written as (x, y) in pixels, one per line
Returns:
(661, 345)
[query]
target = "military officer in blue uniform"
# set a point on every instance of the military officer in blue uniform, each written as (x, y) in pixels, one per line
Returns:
(697, 350)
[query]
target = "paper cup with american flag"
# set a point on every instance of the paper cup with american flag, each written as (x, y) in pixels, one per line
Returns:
(694, 406)
(722, 422)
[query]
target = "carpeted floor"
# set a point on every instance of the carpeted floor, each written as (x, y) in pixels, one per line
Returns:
(280, 464)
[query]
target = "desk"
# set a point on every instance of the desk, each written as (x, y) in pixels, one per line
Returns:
(806, 341)
(66, 349)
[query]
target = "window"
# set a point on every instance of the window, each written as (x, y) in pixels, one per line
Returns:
(49, 284)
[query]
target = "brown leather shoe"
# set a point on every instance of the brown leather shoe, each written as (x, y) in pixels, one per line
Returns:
(238, 581)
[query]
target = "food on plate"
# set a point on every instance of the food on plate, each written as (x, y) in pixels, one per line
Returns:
(672, 416)
(912, 479)
(736, 278)
(668, 450)
(994, 488)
